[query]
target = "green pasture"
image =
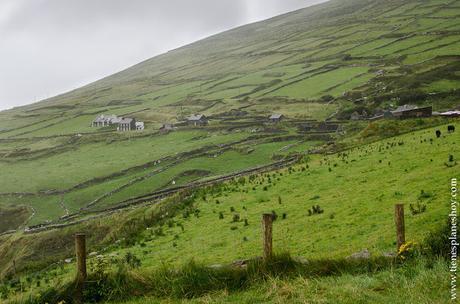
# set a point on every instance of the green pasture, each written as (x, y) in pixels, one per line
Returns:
(357, 193)
(101, 159)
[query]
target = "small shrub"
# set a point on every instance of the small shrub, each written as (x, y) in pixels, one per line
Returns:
(181, 226)
(437, 242)
(316, 209)
(221, 215)
(407, 250)
(132, 260)
(424, 195)
(186, 214)
(246, 222)
(417, 208)
(236, 218)
(233, 228)
(159, 231)
(4, 292)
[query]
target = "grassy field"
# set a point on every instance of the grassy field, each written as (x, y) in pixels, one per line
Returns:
(356, 189)
(357, 197)
(389, 286)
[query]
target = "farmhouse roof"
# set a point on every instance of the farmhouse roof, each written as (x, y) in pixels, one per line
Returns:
(167, 126)
(126, 120)
(99, 119)
(196, 117)
(450, 113)
(276, 116)
(105, 118)
(405, 107)
(116, 120)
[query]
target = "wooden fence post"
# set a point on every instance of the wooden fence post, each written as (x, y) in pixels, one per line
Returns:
(400, 228)
(80, 249)
(267, 224)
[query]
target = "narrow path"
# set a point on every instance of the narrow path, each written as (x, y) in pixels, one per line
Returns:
(63, 206)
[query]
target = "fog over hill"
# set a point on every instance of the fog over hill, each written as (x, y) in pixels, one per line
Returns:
(50, 47)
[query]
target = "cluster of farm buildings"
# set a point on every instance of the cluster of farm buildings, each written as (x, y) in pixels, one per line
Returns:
(122, 123)
(405, 111)
(198, 120)
(130, 124)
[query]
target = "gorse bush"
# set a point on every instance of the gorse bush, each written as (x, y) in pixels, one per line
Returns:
(437, 242)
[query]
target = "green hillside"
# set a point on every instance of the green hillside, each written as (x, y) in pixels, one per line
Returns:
(355, 188)
(326, 50)
(326, 61)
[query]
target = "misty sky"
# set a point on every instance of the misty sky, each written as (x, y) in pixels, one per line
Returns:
(52, 46)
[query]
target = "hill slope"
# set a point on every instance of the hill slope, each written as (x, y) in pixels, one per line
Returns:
(330, 59)
(327, 49)
(356, 189)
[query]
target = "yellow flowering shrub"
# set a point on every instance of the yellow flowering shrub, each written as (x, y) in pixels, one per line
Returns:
(407, 250)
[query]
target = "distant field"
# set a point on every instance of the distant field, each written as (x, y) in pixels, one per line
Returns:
(121, 167)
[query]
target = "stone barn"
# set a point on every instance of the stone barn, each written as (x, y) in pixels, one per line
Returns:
(197, 120)
(166, 128)
(276, 118)
(412, 111)
(127, 124)
(105, 121)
